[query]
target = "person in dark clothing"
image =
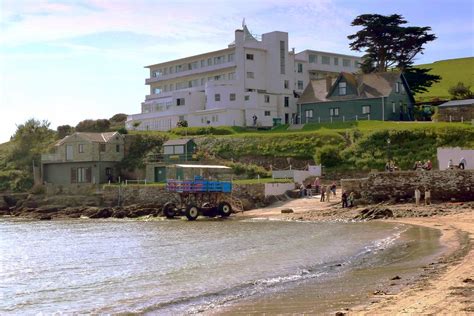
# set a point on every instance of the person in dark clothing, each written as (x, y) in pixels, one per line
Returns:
(344, 199)
(323, 193)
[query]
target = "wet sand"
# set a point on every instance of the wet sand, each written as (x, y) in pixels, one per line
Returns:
(444, 285)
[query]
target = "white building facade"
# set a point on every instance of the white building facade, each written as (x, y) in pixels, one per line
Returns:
(249, 83)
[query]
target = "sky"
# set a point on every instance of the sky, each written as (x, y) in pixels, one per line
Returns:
(66, 61)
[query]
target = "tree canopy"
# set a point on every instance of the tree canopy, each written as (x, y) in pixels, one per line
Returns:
(388, 44)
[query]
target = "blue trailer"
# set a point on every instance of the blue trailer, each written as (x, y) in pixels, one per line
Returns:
(199, 196)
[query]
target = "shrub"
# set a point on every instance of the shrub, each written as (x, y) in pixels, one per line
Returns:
(328, 156)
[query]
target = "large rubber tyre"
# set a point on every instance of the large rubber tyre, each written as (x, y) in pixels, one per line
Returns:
(192, 212)
(224, 209)
(168, 210)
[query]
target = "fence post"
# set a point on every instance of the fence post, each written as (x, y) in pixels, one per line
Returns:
(343, 118)
(331, 119)
(368, 117)
(462, 119)
(126, 182)
(319, 119)
(356, 118)
(450, 119)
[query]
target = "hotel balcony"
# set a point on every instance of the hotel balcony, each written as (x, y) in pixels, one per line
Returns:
(190, 72)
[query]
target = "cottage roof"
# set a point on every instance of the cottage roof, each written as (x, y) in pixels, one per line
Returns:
(468, 102)
(366, 85)
(181, 141)
(91, 137)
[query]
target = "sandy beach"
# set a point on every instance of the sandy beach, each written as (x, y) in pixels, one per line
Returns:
(446, 287)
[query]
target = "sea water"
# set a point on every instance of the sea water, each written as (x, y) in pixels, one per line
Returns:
(177, 266)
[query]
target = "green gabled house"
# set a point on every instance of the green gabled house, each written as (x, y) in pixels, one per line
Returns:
(349, 97)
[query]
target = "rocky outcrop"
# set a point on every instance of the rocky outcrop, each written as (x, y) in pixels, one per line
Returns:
(374, 213)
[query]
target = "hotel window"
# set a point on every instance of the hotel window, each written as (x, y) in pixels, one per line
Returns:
(218, 60)
(179, 68)
(325, 60)
(80, 148)
(157, 90)
(218, 77)
(308, 113)
(267, 98)
(203, 81)
(209, 61)
(217, 97)
(286, 84)
(287, 102)
(313, 59)
(193, 65)
(203, 63)
(336, 61)
(230, 58)
(334, 111)
(267, 113)
(180, 101)
(247, 97)
(117, 148)
(249, 56)
(346, 62)
(300, 68)
(171, 69)
(282, 57)
(342, 88)
(171, 87)
(366, 109)
(300, 85)
(250, 75)
(231, 76)
(232, 97)
(101, 148)
(394, 110)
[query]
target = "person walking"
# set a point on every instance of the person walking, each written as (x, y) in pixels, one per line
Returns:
(333, 188)
(427, 196)
(417, 196)
(328, 193)
(316, 185)
(302, 190)
(323, 193)
(309, 191)
(344, 199)
(462, 163)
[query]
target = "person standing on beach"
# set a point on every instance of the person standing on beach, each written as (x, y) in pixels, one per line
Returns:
(328, 193)
(462, 163)
(333, 188)
(427, 196)
(323, 192)
(309, 191)
(351, 199)
(344, 199)
(302, 190)
(417, 196)
(316, 185)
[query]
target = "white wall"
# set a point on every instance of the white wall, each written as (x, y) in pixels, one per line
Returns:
(455, 153)
(278, 188)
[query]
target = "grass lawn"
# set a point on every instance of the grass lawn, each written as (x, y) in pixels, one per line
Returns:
(451, 71)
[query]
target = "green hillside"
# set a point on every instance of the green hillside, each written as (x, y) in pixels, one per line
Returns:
(451, 71)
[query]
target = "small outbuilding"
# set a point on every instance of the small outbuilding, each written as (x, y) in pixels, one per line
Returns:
(456, 111)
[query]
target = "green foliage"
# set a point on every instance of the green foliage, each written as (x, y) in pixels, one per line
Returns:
(182, 123)
(93, 126)
(118, 118)
(460, 91)
(191, 131)
(140, 146)
(250, 170)
(420, 80)
(328, 156)
(122, 130)
(63, 131)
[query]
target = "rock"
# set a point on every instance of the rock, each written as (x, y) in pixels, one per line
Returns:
(47, 209)
(374, 213)
(396, 278)
(94, 212)
(340, 314)
(287, 211)
(45, 218)
(3, 204)
(468, 280)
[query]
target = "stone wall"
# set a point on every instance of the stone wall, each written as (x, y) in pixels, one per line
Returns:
(444, 185)
(456, 113)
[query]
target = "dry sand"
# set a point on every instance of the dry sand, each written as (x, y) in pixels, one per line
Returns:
(446, 288)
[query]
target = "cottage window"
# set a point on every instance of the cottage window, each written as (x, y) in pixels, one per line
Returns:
(394, 110)
(325, 60)
(232, 97)
(80, 148)
(81, 175)
(334, 111)
(366, 109)
(267, 113)
(249, 56)
(286, 84)
(179, 149)
(168, 150)
(267, 98)
(342, 88)
(217, 97)
(287, 102)
(68, 152)
(313, 59)
(117, 148)
(336, 61)
(308, 113)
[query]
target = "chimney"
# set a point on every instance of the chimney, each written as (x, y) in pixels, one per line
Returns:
(328, 83)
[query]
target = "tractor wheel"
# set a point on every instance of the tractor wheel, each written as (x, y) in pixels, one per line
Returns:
(224, 209)
(192, 212)
(169, 210)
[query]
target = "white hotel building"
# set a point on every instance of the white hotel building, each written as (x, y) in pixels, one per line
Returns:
(251, 77)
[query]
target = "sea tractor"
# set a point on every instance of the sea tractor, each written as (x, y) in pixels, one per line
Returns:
(203, 195)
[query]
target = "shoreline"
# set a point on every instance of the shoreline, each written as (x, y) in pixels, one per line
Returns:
(446, 286)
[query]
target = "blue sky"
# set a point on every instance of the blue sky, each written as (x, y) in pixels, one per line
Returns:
(66, 61)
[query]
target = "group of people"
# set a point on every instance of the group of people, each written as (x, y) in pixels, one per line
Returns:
(390, 166)
(427, 196)
(427, 165)
(326, 191)
(462, 164)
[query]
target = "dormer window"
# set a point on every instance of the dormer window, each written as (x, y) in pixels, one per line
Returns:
(342, 88)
